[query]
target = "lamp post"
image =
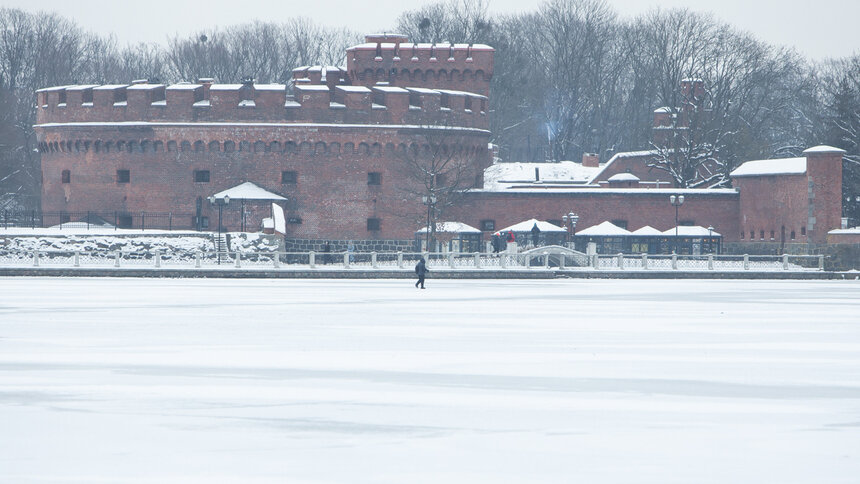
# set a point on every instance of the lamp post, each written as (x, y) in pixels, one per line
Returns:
(570, 219)
(710, 239)
(220, 202)
(430, 201)
(676, 202)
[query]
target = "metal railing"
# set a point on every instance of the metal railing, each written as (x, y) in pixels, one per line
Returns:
(191, 259)
(34, 219)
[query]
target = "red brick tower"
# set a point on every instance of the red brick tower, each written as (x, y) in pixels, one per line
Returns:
(824, 178)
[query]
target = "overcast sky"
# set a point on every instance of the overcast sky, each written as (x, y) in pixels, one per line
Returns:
(818, 29)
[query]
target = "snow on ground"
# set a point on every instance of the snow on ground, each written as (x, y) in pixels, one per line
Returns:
(253, 381)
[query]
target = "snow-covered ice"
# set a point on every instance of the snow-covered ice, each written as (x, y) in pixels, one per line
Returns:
(322, 381)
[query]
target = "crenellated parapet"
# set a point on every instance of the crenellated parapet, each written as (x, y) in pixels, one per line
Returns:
(389, 58)
(307, 102)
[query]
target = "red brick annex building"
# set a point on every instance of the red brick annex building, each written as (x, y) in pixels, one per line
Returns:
(348, 149)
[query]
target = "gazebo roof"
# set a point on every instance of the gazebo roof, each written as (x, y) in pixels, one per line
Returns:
(604, 229)
(451, 228)
(527, 225)
(248, 191)
(692, 231)
(646, 231)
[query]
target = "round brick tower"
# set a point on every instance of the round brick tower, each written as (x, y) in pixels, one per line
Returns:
(337, 143)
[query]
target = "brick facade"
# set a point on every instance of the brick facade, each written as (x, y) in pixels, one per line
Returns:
(337, 144)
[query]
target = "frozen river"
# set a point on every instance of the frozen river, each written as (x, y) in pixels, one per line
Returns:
(256, 381)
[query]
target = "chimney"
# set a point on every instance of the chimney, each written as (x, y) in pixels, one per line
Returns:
(590, 160)
(207, 83)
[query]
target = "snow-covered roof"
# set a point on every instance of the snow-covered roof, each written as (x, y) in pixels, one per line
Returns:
(646, 231)
(781, 166)
(81, 87)
(423, 90)
(617, 156)
(851, 231)
(623, 177)
(451, 228)
(182, 86)
(248, 191)
(692, 231)
(500, 176)
(270, 87)
(527, 226)
(353, 89)
(604, 229)
(390, 89)
(823, 149)
(144, 87)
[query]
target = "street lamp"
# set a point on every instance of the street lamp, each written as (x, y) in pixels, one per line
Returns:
(571, 219)
(710, 240)
(430, 201)
(676, 202)
(220, 202)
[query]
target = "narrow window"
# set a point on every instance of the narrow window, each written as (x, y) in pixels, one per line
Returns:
(201, 176)
(761, 234)
(742, 235)
(289, 177)
(67, 176)
(802, 230)
(374, 178)
(752, 234)
(792, 235)
(373, 224)
(772, 233)
(204, 222)
(123, 176)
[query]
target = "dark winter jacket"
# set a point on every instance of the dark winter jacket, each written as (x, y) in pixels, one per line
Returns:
(421, 268)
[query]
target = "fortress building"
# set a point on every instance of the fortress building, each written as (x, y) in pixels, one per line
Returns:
(354, 149)
(345, 147)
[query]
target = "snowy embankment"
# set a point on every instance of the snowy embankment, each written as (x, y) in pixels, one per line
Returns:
(224, 381)
(126, 241)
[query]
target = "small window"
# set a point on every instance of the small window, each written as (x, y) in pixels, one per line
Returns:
(289, 177)
(687, 223)
(374, 178)
(752, 234)
(623, 223)
(373, 224)
(123, 176)
(742, 235)
(67, 176)
(802, 230)
(792, 235)
(772, 233)
(201, 176)
(488, 225)
(123, 221)
(761, 234)
(295, 220)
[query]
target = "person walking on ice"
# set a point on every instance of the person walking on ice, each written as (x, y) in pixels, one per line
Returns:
(421, 270)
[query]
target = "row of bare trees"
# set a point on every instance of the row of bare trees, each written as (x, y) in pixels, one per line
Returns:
(44, 49)
(570, 77)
